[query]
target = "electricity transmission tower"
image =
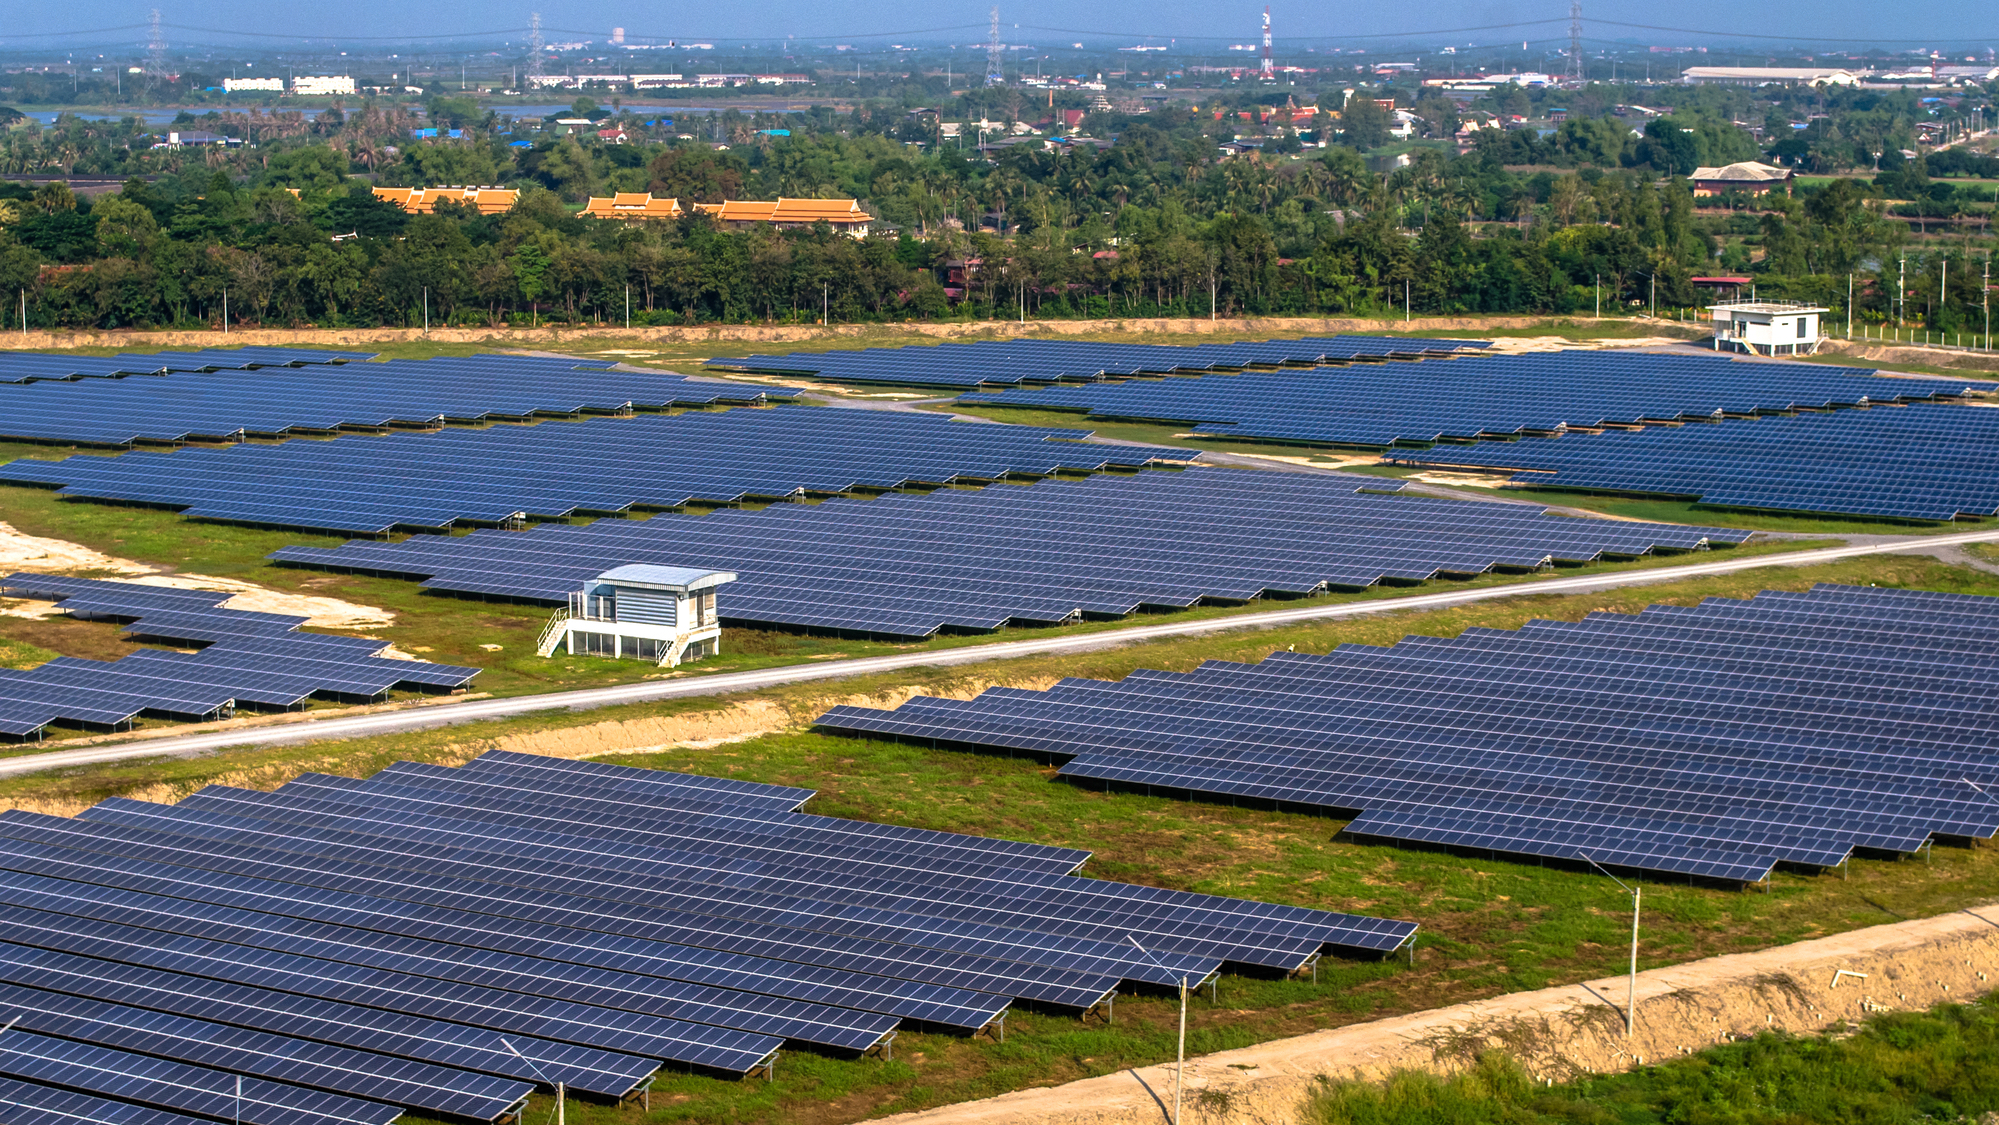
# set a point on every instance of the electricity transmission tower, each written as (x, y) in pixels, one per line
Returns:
(156, 52)
(535, 47)
(1267, 72)
(1576, 42)
(995, 55)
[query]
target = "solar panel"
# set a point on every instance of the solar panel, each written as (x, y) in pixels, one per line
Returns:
(168, 1085)
(251, 658)
(1017, 362)
(1926, 463)
(603, 466)
(201, 398)
(1478, 397)
(416, 912)
(1716, 740)
(23, 367)
(976, 560)
(28, 1103)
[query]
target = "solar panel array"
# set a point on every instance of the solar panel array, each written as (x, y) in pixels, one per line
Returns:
(1012, 362)
(255, 659)
(1716, 740)
(907, 566)
(26, 367)
(357, 948)
(1478, 397)
(1926, 463)
(602, 466)
(230, 405)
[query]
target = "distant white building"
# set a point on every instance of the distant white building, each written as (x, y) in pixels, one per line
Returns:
(1770, 75)
(309, 86)
(663, 614)
(1767, 327)
(236, 85)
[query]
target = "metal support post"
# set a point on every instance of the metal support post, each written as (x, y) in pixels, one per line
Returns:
(1631, 988)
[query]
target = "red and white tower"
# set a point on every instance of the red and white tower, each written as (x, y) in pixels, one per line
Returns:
(1267, 71)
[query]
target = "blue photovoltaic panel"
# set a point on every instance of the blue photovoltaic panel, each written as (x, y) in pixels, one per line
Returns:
(906, 565)
(443, 1068)
(578, 903)
(607, 465)
(168, 1085)
(1016, 362)
(23, 367)
(231, 404)
(1933, 462)
(247, 658)
(1717, 740)
(28, 1103)
(1478, 397)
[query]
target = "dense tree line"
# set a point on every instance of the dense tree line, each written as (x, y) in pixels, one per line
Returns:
(1158, 223)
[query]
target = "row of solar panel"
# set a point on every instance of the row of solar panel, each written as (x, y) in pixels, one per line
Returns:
(229, 405)
(256, 659)
(1923, 463)
(25, 367)
(905, 566)
(1717, 740)
(1013, 362)
(432, 939)
(1478, 397)
(370, 485)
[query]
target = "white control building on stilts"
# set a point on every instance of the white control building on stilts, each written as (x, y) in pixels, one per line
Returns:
(662, 614)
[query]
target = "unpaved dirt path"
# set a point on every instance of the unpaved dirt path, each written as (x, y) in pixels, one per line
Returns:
(20, 551)
(1556, 1033)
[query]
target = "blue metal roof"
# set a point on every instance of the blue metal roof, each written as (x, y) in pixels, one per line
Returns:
(672, 577)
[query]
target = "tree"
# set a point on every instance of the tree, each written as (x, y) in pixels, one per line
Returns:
(1363, 123)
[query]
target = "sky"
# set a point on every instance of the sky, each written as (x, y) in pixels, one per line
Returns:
(1039, 21)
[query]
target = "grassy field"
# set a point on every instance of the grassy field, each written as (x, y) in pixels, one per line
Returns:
(1488, 926)
(1898, 1069)
(497, 637)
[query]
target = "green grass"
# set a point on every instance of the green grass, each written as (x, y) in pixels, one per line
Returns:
(1899, 1069)
(455, 630)
(1489, 926)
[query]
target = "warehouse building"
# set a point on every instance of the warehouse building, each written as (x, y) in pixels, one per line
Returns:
(1748, 176)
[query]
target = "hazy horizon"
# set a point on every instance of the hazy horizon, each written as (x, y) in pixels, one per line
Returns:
(100, 25)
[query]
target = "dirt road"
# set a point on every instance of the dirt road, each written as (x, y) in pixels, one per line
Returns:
(1556, 1033)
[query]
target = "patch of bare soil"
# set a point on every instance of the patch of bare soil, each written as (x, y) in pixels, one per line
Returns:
(1556, 1033)
(21, 551)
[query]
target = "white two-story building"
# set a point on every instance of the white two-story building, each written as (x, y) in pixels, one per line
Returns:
(662, 614)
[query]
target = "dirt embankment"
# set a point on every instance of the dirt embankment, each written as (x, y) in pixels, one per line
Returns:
(769, 333)
(1557, 1033)
(1913, 355)
(712, 726)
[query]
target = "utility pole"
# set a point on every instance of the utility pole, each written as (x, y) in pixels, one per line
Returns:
(995, 54)
(1631, 992)
(1901, 289)
(1849, 306)
(825, 304)
(628, 308)
(225, 312)
(1987, 290)
(1405, 300)
(1576, 42)
(561, 1095)
(24, 311)
(426, 310)
(1179, 1067)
